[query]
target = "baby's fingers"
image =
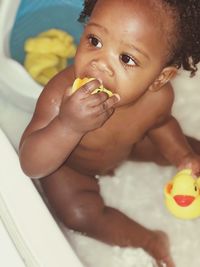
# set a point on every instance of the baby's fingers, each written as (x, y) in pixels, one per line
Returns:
(108, 104)
(86, 90)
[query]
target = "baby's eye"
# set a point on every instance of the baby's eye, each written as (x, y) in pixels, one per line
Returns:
(94, 41)
(128, 60)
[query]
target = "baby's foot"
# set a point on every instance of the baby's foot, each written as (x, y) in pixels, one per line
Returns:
(158, 247)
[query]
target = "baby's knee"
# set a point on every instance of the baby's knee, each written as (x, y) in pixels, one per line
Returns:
(83, 212)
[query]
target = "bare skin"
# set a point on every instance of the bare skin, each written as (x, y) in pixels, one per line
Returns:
(72, 138)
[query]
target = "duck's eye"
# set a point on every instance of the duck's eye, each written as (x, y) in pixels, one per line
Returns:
(195, 188)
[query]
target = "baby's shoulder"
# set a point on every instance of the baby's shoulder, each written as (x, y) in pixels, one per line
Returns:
(61, 81)
(53, 92)
(56, 87)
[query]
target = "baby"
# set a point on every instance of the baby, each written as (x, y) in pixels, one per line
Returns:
(134, 48)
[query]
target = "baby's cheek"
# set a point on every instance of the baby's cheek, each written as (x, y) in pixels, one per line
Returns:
(78, 63)
(128, 95)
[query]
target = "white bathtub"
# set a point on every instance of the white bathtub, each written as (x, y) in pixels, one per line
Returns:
(36, 237)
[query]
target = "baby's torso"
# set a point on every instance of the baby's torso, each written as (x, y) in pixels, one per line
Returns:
(102, 150)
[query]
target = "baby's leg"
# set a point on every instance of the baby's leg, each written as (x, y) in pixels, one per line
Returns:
(194, 143)
(77, 202)
(145, 150)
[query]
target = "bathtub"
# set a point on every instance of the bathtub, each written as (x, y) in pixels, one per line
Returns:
(29, 235)
(37, 239)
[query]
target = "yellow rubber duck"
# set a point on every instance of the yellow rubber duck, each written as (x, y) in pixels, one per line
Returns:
(182, 195)
(80, 82)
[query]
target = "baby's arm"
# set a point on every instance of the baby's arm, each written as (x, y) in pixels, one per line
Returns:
(59, 122)
(171, 142)
(168, 137)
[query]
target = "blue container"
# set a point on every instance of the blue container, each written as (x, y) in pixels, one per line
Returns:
(35, 16)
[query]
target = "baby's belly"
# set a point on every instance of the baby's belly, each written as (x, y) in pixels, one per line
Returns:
(97, 161)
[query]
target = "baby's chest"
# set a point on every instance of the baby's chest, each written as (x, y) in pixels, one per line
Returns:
(112, 138)
(122, 130)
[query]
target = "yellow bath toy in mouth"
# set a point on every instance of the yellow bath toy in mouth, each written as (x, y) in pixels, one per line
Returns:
(80, 82)
(182, 195)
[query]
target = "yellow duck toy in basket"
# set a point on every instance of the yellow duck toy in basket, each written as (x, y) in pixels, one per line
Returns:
(47, 54)
(182, 195)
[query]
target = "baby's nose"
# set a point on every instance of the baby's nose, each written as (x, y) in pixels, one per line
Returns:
(102, 67)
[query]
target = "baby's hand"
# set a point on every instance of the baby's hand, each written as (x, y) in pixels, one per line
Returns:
(83, 111)
(191, 161)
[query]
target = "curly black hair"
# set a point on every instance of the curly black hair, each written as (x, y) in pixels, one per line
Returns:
(186, 50)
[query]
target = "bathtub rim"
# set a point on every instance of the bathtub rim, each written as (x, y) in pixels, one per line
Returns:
(38, 239)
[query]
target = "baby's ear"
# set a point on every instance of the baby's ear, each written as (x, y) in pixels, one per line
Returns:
(165, 76)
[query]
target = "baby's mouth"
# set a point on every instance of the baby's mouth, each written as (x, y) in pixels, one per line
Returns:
(103, 86)
(78, 82)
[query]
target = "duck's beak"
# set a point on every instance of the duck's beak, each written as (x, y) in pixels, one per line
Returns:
(183, 200)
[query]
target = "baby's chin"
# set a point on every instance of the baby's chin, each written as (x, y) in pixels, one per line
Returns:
(125, 102)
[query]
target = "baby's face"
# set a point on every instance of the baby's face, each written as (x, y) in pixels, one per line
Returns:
(123, 45)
